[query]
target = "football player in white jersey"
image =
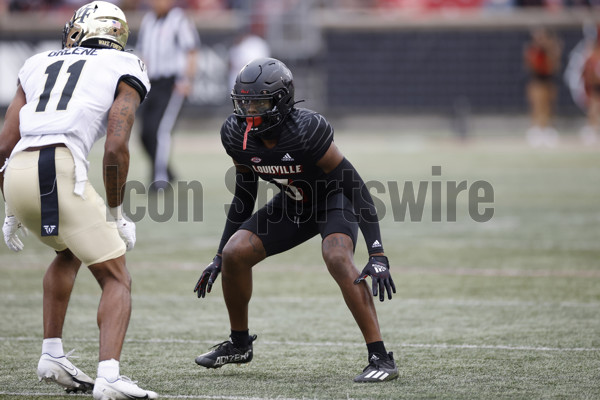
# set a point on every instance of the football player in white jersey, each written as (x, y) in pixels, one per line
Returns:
(65, 101)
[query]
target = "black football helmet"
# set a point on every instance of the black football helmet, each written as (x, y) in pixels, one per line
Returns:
(263, 95)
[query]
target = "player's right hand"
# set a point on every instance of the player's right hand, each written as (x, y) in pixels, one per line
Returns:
(208, 277)
(11, 228)
(125, 227)
(126, 230)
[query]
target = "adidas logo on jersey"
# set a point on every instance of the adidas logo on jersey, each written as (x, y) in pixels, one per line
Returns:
(376, 244)
(287, 157)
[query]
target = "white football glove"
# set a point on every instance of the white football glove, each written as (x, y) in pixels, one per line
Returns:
(125, 226)
(11, 228)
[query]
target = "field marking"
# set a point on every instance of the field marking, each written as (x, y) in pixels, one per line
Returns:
(330, 344)
(161, 396)
(590, 272)
(506, 273)
(293, 299)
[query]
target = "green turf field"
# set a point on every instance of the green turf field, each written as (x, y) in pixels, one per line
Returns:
(508, 308)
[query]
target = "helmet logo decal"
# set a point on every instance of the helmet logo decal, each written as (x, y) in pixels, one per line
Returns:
(83, 13)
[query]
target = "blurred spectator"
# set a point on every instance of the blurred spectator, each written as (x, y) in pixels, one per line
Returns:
(573, 75)
(205, 5)
(28, 5)
(168, 43)
(248, 46)
(429, 4)
(52, 5)
(591, 82)
(542, 60)
(499, 5)
(530, 3)
(581, 3)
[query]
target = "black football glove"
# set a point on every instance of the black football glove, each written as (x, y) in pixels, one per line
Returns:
(378, 268)
(208, 277)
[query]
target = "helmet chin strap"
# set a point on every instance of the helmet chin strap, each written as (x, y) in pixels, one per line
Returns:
(250, 122)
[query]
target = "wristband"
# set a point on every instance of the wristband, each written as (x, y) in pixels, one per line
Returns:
(116, 212)
(7, 211)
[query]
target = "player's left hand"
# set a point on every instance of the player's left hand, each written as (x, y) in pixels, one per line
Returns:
(11, 229)
(378, 268)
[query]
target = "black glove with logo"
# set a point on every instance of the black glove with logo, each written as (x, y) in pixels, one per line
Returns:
(378, 268)
(208, 277)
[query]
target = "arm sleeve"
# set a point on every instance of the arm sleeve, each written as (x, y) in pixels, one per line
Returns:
(353, 187)
(135, 83)
(246, 188)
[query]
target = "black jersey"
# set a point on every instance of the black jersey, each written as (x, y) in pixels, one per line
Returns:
(304, 138)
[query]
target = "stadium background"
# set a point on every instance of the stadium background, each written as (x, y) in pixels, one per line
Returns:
(507, 309)
(445, 58)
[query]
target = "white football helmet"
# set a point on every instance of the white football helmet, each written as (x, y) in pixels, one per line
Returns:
(97, 24)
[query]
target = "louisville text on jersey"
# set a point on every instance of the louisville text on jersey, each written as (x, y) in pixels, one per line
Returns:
(277, 169)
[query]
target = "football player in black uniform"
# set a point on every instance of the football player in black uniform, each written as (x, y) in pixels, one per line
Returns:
(321, 193)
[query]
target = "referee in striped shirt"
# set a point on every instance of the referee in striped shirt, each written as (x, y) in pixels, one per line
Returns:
(168, 43)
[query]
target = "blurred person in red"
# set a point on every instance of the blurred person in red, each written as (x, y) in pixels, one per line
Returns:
(429, 5)
(591, 84)
(542, 60)
(205, 5)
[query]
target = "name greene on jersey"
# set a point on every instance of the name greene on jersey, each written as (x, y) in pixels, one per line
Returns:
(76, 51)
(277, 169)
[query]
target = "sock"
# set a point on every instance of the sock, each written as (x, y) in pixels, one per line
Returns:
(377, 348)
(53, 346)
(109, 370)
(240, 339)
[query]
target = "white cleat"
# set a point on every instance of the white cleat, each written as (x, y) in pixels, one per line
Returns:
(535, 136)
(121, 389)
(61, 371)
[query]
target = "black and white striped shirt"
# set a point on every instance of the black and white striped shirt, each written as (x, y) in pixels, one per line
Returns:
(163, 43)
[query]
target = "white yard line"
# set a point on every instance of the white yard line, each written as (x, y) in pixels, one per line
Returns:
(304, 300)
(161, 396)
(333, 344)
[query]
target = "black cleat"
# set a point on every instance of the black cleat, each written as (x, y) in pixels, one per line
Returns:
(379, 370)
(225, 353)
